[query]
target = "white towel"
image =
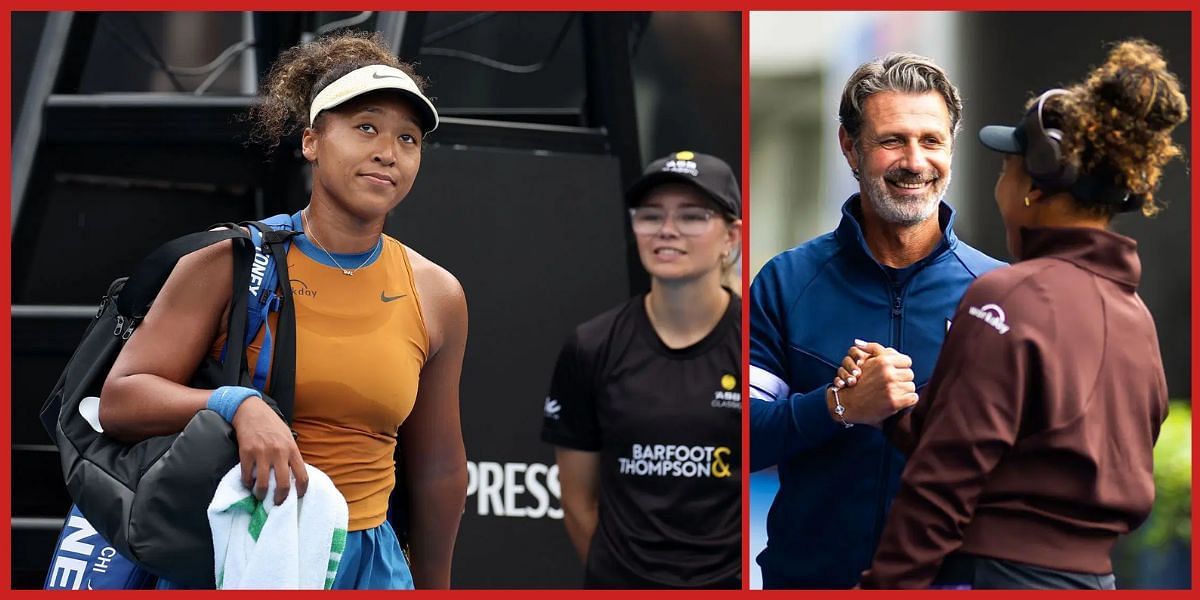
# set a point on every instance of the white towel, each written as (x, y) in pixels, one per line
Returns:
(295, 545)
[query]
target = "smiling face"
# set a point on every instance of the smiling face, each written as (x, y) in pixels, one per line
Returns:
(902, 155)
(668, 254)
(365, 153)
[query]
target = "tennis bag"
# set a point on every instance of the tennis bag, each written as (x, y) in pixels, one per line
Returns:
(149, 499)
(84, 560)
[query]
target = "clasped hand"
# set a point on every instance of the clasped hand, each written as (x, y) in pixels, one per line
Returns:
(266, 447)
(874, 382)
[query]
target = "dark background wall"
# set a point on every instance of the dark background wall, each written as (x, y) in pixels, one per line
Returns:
(534, 262)
(1008, 58)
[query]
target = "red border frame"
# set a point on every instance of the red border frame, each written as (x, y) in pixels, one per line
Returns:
(6, 326)
(621, 5)
(1195, 275)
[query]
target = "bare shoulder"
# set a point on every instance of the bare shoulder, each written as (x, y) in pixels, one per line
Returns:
(443, 301)
(211, 265)
(202, 281)
(433, 280)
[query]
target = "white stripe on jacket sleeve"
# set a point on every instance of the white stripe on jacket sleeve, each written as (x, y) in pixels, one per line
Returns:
(765, 385)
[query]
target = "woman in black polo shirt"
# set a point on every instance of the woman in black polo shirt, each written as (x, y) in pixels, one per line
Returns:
(645, 408)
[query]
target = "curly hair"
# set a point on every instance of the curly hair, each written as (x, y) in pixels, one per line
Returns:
(1117, 122)
(304, 70)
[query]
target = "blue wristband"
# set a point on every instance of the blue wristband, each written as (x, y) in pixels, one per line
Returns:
(226, 399)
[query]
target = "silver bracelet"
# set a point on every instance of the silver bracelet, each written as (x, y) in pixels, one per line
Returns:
(839, 409)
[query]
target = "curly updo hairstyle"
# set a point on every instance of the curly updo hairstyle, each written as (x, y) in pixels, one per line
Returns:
(302, 71)
(1117, 123)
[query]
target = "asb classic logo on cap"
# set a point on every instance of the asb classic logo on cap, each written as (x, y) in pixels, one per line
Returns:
(368, 79)
(683, 163)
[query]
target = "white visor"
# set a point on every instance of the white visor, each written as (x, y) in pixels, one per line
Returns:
(368, 79)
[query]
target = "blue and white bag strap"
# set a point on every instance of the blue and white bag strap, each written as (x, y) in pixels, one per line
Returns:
(264, 280)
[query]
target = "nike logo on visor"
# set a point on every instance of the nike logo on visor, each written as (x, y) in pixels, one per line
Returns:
(378, 76)
(386, 298)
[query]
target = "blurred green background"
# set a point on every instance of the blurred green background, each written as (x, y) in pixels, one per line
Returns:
(1156, 555)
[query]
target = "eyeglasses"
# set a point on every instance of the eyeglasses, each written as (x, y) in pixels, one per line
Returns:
(692, 220)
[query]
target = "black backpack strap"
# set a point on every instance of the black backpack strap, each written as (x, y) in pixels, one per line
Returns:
(283, 363)
(235, 362)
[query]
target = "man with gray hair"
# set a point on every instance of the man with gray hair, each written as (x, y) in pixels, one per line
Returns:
(892, 272)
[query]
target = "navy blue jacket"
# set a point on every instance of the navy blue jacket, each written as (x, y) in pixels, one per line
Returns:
(806, 307)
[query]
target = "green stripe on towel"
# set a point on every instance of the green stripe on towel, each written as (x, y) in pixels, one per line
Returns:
(335, 556)
(247, 504)
(258, 518)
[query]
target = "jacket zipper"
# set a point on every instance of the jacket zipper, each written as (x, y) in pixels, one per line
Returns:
(897, 313)
(885, 459)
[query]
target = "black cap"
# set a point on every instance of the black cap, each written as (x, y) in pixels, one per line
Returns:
(1001, 138)
(1092, 188)
(709, 173)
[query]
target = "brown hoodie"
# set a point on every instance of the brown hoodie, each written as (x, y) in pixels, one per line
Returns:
(1034, 439)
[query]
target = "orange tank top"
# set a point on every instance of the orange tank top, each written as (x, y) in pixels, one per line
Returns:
(360, 345)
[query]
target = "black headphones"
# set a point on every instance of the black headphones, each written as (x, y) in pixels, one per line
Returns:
(1044, 158)
(1053, 172)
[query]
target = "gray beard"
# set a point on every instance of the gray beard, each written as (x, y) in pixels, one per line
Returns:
(901, 211)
